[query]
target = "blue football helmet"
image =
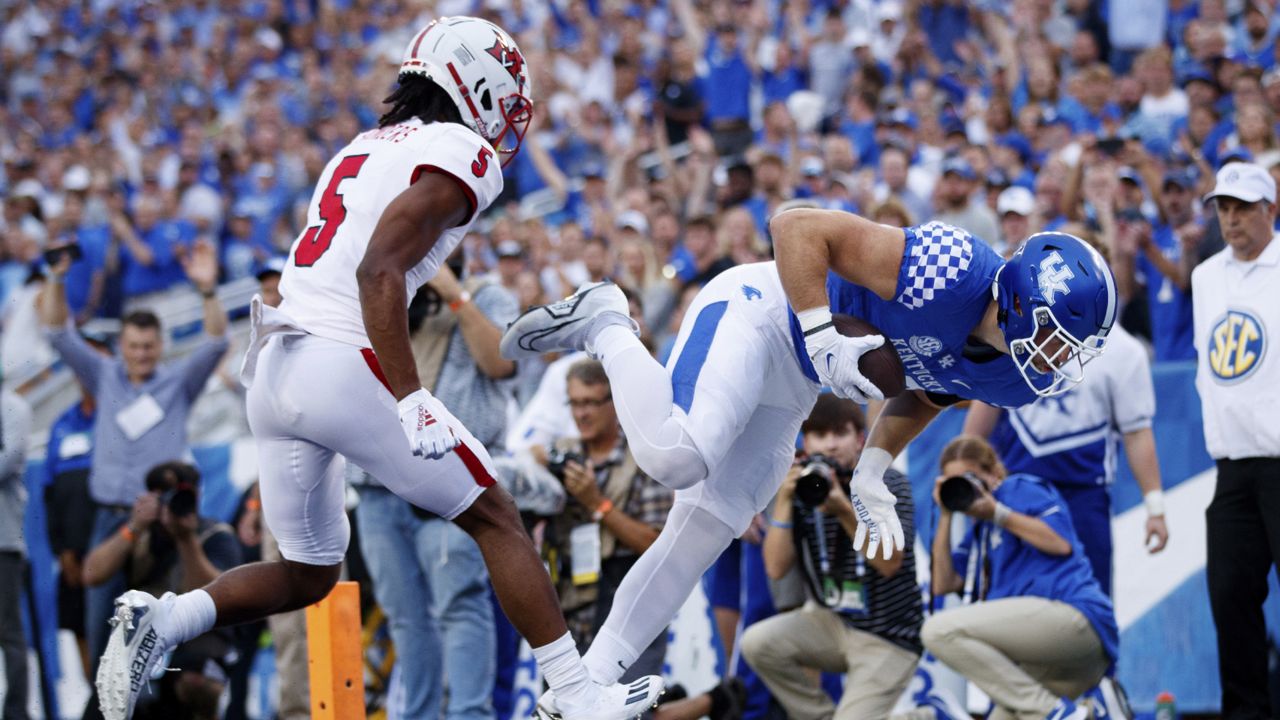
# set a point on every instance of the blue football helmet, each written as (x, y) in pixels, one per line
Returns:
(1056, 302)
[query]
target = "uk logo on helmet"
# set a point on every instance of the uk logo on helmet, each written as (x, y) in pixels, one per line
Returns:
(1053, 277)
(510, 57)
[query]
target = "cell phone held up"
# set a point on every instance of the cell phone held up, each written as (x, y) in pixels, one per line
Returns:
(54, 255)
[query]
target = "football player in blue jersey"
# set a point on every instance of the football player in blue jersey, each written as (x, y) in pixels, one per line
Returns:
(718, 424)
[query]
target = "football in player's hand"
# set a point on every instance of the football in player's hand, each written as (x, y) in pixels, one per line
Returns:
(881, 366)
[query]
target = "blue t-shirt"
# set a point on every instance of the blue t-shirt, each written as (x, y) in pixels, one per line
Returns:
(164, 271)
(94, 241)
(727, 85)
(1172, 331)
(1019, 570)
(70, 445)
(944, 289)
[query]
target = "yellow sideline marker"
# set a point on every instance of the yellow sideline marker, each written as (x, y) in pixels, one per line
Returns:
(335, 656)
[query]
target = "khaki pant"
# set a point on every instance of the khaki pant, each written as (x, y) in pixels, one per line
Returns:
(289, 635)
(786, 648)
(1024, 653)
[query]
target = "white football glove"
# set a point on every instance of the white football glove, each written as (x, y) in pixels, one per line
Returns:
(422, 418)
(835, 358)
(874, 505)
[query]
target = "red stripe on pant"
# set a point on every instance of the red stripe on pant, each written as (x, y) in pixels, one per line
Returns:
(371, 360)
(474, 466)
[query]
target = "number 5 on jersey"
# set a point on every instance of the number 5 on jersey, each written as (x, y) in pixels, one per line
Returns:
(315, 241)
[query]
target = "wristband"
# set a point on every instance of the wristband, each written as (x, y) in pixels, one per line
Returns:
(814, 320)
(463, 299)
(1002, 513)
(253, 504)
(1154, 501)
(127, 533)
(602, 509)
(780, 524)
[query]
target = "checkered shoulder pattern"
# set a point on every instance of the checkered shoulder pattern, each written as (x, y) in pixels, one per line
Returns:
(938, 256)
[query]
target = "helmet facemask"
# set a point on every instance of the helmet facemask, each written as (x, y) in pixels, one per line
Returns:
(1055, 353)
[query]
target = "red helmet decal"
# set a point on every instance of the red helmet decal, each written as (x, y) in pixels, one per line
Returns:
(509, 56)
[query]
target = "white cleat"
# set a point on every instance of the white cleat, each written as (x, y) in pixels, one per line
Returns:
(615, 702)
(133, 653)
(564, 325)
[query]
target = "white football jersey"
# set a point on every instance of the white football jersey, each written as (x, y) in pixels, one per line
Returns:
(319, 280)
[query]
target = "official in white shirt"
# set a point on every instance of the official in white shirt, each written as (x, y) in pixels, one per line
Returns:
(1236, 300)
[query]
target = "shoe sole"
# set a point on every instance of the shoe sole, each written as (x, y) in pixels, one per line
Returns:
(541, 713)
(525, 344)
(116, 682)
(113, 671)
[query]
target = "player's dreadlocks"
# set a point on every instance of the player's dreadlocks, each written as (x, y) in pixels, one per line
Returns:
(417, 96)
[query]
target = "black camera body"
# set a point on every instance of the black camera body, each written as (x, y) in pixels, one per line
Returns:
(557, 460)
(53, 255)
(181, 500)
(819, 472)
(959, 491)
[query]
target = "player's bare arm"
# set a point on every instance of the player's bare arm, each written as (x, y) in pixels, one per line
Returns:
(901, 420)
(808, 243)
(406, 232)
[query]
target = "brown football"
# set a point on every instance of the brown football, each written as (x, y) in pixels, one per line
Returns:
(881, 366)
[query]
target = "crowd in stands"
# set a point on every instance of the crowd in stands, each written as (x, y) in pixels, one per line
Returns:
(666, 133)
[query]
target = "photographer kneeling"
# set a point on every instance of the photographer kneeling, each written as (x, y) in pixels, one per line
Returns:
(863, 615)
(167, 547)
(1040, 631)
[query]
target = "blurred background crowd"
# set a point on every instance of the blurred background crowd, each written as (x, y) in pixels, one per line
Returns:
(666, 133)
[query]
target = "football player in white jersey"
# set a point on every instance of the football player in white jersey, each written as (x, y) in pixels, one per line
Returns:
(331, 373)
(718, 423)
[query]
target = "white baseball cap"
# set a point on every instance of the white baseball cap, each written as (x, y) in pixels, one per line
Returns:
(1015, 199)
(1244, 181)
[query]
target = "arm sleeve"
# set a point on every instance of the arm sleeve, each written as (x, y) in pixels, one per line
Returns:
(196, 368)
(83, 360)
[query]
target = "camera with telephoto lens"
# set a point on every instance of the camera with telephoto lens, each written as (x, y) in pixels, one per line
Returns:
(959, 491)
(176, 483)
(557, 460)
(814, 484)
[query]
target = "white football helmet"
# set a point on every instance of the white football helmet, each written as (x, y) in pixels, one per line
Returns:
(483, 71)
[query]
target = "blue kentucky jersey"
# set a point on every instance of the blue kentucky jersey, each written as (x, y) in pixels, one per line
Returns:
(943, 291)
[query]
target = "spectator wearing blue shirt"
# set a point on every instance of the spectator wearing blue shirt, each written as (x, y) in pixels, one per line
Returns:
(244, 250)
(1256, 46)
(152, 248)
(1159, 261)
(945, 23)
(1039, 631)
(727, 90)
(86, 280)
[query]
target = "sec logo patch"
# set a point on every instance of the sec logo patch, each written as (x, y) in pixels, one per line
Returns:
(1236, 346)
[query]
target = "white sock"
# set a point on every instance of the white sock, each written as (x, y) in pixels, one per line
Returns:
(562, 667)
(611, 333)
(190, 615)
(655, 588)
